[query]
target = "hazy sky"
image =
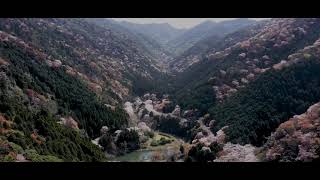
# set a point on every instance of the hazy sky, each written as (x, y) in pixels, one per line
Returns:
(177, 22)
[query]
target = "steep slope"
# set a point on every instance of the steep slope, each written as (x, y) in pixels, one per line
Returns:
(214, 43)
(296, 139)
(145, 41)
(35, 97)
(162, 33)
(205, 30)
(254, 112)
(108, 61)
(63, 83)
(225, 72)
(57, 76)
(287, 89)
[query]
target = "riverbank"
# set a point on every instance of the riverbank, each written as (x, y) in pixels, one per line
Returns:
(161, 153)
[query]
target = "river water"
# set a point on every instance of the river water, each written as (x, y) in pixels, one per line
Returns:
(159, 153)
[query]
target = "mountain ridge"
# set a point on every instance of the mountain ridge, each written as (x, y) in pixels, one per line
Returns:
(94, 89)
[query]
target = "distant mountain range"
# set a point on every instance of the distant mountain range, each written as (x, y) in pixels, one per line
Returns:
(89, 89)
(176, 42)
(205, 30)
(162, 33)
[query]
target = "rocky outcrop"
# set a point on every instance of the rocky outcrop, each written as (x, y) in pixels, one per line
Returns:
(297, 139)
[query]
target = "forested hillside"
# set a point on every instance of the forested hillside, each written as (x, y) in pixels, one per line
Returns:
(254, 112)
(227, 71)
(204, 31)
(62, 81)
(81, 89)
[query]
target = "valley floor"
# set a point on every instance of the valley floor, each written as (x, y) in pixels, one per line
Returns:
(150, 153)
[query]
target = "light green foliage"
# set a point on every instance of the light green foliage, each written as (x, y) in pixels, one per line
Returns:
(16, 148)
(8, 158)
(32, 155)
(161, 141)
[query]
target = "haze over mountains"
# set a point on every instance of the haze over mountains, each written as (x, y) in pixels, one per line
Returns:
(182, 39)
(162, 33)
(96, 89)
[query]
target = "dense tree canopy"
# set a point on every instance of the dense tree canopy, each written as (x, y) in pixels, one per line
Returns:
(73, 99)
(254, 112)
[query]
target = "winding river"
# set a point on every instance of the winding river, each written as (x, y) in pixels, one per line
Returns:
(159, 153)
